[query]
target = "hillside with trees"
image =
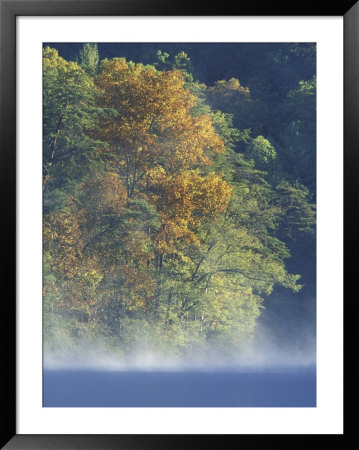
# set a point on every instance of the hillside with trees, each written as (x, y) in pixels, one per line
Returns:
(174, 204)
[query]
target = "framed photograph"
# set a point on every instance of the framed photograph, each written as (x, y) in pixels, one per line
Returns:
(175, 221)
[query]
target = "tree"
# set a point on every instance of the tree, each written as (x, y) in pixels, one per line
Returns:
(69, 112)
(164, 220)
(89, 58)
(297, 142)
(298, 212)
(154, 125)
(261, 150)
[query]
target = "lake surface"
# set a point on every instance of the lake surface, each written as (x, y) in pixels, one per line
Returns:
(99, 388)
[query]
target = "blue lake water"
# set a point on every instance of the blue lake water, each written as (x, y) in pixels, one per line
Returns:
(98, 388)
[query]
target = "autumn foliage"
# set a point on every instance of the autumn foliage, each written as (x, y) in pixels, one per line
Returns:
(148, 222)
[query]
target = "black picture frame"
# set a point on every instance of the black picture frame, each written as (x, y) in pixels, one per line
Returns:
(9, 10)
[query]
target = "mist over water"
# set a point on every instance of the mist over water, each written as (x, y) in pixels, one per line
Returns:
(276, 369)
(266, 374)
(264, 358)
(275, 346)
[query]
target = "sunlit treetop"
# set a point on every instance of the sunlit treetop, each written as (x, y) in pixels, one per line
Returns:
(154, 123)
